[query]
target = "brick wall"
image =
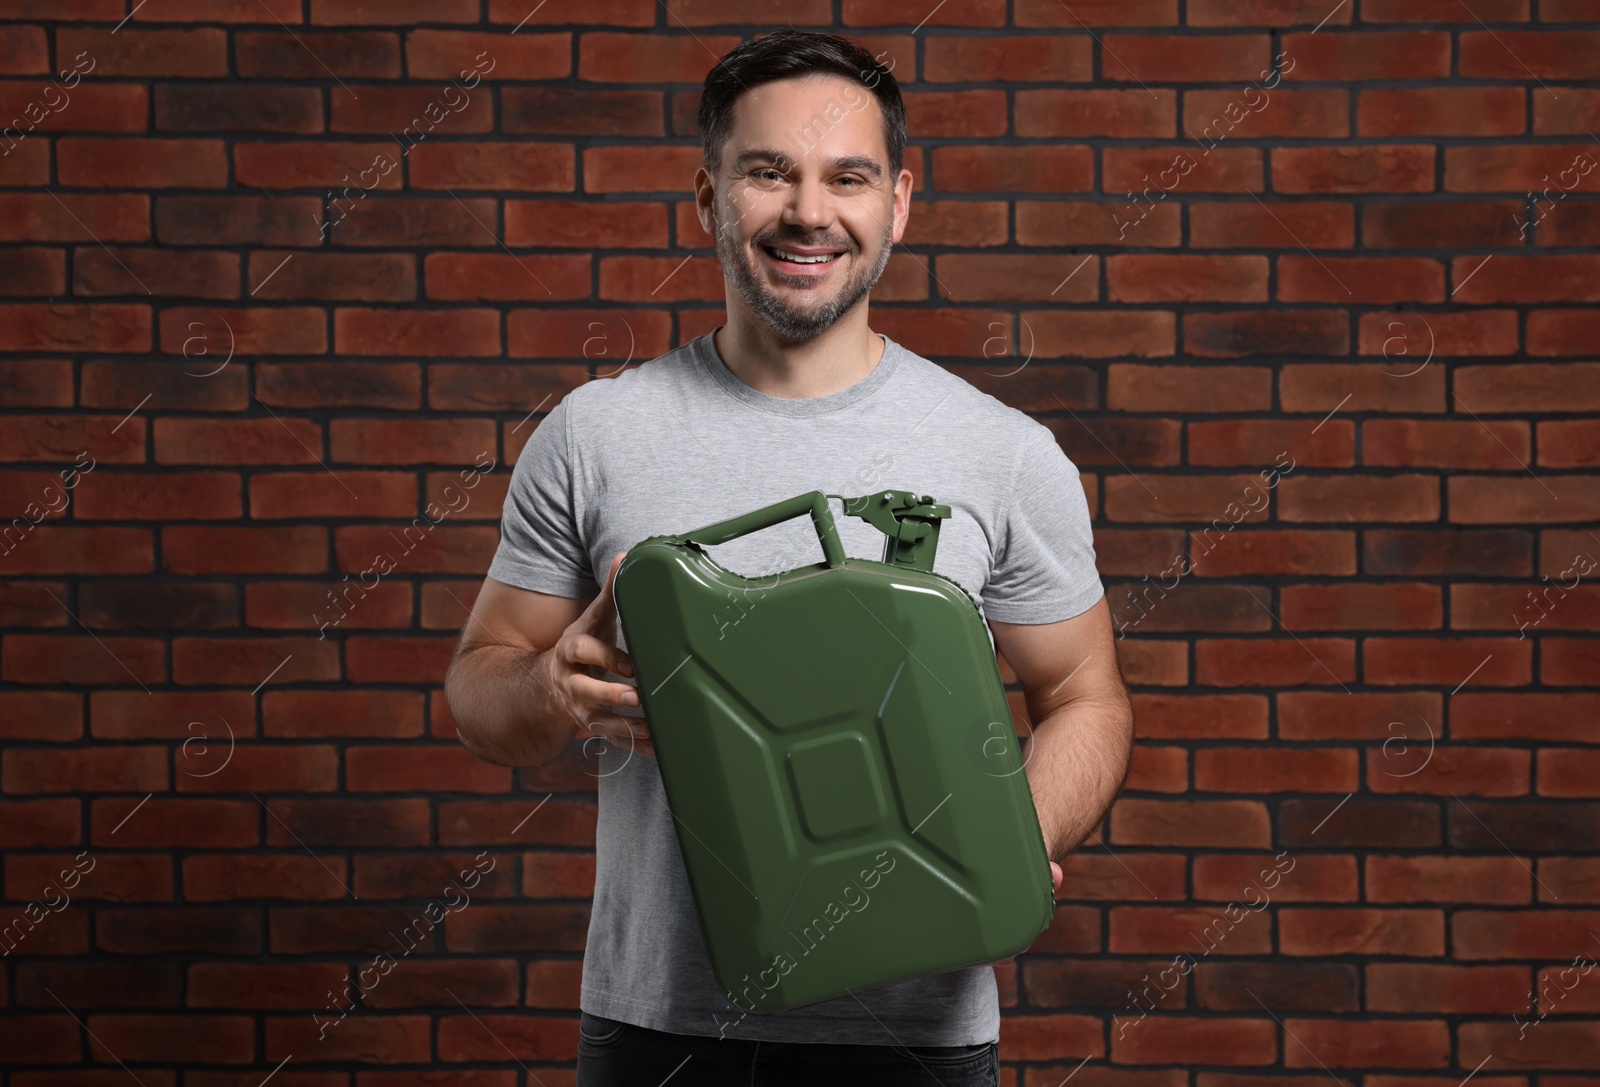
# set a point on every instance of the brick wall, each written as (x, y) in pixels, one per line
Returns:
(1306, 289)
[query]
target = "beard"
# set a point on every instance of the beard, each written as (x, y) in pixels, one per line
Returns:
(796, 323)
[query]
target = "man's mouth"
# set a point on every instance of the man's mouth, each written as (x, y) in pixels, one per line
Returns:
(791, 255)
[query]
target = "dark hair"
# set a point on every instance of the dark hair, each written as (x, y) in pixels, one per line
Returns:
(787, 54)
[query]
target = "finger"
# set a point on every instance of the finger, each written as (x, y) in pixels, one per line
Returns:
(599, 694)
(624, 733)
(588, 649)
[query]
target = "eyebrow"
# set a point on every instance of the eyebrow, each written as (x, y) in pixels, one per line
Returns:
(863, 163)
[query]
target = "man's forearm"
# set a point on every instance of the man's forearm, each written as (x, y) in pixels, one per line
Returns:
(499, 696)
(1077, 761)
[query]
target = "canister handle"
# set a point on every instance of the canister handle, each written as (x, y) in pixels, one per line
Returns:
(813, 502)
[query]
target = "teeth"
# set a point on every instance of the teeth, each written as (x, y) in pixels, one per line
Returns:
(781, 255)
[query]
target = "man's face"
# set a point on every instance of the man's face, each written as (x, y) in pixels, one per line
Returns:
(804, 210)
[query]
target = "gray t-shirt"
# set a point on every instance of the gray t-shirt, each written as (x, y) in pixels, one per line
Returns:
(680, 442)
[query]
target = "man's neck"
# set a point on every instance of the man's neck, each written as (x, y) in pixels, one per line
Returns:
(839, 358)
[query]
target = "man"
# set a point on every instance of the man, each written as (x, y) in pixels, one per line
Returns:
(804, 190)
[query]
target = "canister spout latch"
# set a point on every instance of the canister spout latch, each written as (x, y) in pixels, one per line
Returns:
(909, 522)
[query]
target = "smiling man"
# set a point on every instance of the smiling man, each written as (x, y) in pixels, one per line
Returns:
(805, 192)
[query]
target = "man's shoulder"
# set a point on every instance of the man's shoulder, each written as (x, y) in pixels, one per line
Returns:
(625, 386)
(956, 393)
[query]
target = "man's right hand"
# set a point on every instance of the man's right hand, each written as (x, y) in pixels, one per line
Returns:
(572, 667)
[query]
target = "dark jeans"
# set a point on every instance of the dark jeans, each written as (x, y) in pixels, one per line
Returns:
(617, 1054)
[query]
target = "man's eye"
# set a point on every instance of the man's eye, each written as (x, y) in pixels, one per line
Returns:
(769, 173)
(854, 182)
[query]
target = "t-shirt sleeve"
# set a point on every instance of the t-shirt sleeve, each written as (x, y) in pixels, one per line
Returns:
(1044, 568)
(541, 547)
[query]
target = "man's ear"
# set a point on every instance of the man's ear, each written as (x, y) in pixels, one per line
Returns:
(704, 196)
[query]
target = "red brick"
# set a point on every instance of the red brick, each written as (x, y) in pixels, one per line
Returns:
(131, 51)
(1442, 111)
(1407, 224)
(1558, 278)
(1381, 280)
(1186, 278)
(1338, 1043)
(1328, 388)
(1502, 881)
(1447, 661)
(168, 496)
(114, 107)
(1569, 772)
(1569, 662)
(653, 279)
(1165, 169)
(1270, 224)
(446, 54)
(1190, 930)
(120, 768)
(1266, 332)
(1157, 770)
(1235, 823)
(1560, 332)
(125, 715)
(1388, 55)
(24, 50)
(578, 224)
(346, 170)
(298, 495)
(1570, 444)
(394, 441)
(1225, 500)
(1530, 387)
(607, 57)
(1569, 879)
(40, 823)
(1232, 442)
(1273, 662)
(1527, 607)
(28, 216)
(1561, 718)
(1348, 931)
(104, 271)
(1515, 54)
(982, 277)
(260, 331)
(1443, 11)
(1523, 499)
(1436, 443)
(195, 549)
(1094, 113)
(637, 169)
(287, 605)
(1232, 877)
(1522, 934)
(1012, 169)
(329, 277)
(71, 660)
(42, 715)
(232, 878)
(1271, 551)
(1253, 770)
(1223, 716)
(265, 985)
(339, 384)
(1096, 334)
(1359, 498)
(473, 332)
(1374, 606)
(520, 167)
(1073, 222)
(1213, 116)
(72, 327)
(146, 163)
(1374, 168)
(301, 54)
(361, 713)
(1457, 990)
(1421, 552)
(1206, 1040)
(411, 768)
